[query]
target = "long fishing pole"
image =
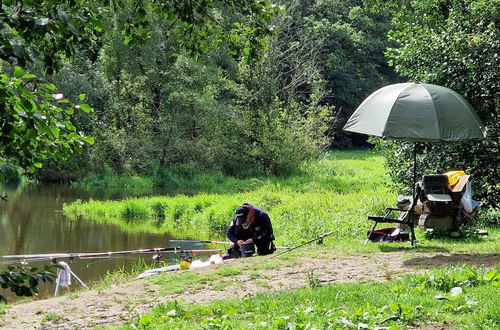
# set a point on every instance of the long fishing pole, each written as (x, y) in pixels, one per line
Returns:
(298, 246)
(49, 256)
(91, 254)
(213, 242)
(199, 241)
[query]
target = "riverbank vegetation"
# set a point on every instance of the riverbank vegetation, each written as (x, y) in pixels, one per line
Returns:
(257, 99)
(329, 194)
(334, 193)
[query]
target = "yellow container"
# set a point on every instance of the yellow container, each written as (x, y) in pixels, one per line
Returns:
(185, 263)
(453, 176)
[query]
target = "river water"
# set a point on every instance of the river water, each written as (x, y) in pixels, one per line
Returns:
(31, 222)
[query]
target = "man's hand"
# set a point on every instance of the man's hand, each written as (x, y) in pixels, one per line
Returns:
(240, 242)
(248, 241)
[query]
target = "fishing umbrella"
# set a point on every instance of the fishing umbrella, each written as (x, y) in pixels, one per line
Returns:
(418, 113)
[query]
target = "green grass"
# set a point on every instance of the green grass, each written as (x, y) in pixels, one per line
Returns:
(50, 317)
(431, 298)
(184, 281)
(334, 193)
(121, 275)
(228, 271)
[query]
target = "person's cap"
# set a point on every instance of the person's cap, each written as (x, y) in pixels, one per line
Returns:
(241, 215)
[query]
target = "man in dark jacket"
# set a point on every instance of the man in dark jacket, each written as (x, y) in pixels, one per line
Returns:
(250, 226)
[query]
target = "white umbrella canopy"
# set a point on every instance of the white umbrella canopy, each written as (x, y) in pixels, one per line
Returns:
(417, 112)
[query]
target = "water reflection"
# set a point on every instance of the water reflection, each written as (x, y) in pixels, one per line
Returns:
(31, 222)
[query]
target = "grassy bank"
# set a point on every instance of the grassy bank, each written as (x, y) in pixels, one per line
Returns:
(335, 193)
(460, 297)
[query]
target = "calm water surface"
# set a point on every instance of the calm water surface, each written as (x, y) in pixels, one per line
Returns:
(31, 222)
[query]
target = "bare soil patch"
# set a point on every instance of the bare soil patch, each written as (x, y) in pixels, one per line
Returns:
(121, 303)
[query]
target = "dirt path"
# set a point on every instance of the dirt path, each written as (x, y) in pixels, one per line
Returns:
(113, 307)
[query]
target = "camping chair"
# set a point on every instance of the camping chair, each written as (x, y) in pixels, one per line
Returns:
(406, 218)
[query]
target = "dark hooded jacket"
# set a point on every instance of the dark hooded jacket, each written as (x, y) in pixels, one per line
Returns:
(259, 231)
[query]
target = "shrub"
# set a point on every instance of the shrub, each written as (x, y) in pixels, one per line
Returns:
(132, 208)
(9, 174)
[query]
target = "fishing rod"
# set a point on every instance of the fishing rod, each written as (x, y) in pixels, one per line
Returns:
(52, 256)
(200, 241)
(319, 238)
(213, 242)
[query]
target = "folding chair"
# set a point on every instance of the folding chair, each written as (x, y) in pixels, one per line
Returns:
(407, 217)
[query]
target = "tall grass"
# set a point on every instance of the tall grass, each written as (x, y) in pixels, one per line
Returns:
(334, 193)
(178, 179)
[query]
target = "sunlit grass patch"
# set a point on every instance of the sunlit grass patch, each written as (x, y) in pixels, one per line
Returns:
(228, 271)
(335, 193)
(458, 296)
(179, 282)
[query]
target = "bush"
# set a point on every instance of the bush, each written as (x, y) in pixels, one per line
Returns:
(9, 174)
(133, 208)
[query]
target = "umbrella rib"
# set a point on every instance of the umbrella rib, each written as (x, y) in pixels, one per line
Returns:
(438, 118)
(408, 86)
(476, 118)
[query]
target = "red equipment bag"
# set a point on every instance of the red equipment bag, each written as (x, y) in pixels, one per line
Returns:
(390, 234)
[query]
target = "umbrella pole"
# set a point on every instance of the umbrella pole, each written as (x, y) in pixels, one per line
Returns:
(411, 213)
(414, 164)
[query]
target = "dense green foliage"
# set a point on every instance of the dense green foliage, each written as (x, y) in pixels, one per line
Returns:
(50, 32)
(156, 107)
(352, 35)
(457, 296)
(23, 281)
(158, 110)
(454, 44)
(35, 125)
(40, 37)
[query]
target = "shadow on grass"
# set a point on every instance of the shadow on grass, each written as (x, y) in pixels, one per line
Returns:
(389, 248)
(477, 259)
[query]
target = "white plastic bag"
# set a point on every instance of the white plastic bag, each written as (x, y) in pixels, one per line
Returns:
(467, 198)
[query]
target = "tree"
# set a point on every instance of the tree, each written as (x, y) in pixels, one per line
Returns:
(353, 38)
(454, 43)
(49, 33)
(158, 108)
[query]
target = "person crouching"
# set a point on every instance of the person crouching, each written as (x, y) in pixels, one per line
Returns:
(251, 227)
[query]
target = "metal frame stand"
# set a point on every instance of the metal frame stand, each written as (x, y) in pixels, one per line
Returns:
(407, 219)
